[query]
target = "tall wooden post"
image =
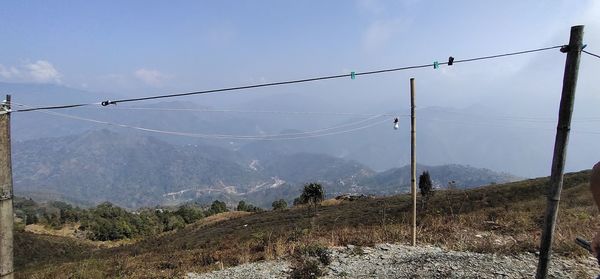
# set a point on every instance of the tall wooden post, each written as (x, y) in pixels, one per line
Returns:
(6, 194)
(413, 163)
(560, 146)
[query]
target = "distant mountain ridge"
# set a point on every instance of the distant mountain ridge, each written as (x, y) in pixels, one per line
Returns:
(397, 180)
(445, 135)
(134, 171)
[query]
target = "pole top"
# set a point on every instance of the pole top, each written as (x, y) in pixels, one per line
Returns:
(5, 106)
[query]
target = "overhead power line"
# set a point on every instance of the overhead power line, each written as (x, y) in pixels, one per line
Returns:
(288, 136)
(258, 111)
(533, 119)
(270, 84)
(490, 116)
(273, 137)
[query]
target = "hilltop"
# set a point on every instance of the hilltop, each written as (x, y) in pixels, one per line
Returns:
(501, 219)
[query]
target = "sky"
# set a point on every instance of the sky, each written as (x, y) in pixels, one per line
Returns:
(139, 48)
(142, 47)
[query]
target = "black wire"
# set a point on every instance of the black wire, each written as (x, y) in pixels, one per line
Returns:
(226, 89)
(114, 102)
(53, 107)
(506, 54)
(322, 78)
(596, 55)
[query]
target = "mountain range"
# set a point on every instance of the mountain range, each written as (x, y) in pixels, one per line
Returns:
(476, 135)
(136, 171)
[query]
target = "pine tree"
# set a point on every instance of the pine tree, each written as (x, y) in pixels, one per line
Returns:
(426, 187)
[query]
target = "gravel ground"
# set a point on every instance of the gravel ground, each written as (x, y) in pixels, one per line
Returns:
(400, 261)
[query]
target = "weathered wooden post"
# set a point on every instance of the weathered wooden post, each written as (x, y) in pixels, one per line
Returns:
(6, 194)
(567, 99)
(413, 163)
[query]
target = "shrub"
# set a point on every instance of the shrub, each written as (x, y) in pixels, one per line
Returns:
(217, 207)
(189, 214)
(313, 194)
(243, 206)
(306, 269)
(279, 204)
(316, 250)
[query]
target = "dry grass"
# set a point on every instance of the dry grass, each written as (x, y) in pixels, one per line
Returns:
(495, 219)
(71, 230)
(331, 202)
(68, 230)
(224, 216)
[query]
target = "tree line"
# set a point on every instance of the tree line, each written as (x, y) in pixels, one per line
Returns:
(107, 221)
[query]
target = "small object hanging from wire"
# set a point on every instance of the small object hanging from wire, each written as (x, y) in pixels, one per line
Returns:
(108, 102)
(450, 61)
(436, 64)
(352, 75)
(396, 123)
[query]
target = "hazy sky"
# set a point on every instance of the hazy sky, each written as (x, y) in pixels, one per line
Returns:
(153, 47)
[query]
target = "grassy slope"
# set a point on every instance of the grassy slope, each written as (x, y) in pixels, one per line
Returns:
(500, 218)
(33, 249)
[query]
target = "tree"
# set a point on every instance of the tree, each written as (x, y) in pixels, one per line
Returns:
(425, 184)
(426, 187)
(313, 194)
(243, 206)
(189, 213)
(31, 217)
(218, 207)
(174, 222)
(279, 204)
(297, 201)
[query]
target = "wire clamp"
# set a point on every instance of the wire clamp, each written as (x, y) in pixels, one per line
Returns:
(436, 64)
(352, 75)
(567, 48)
(5, 107)
(107, 102)
(450, 61)
(5, 195)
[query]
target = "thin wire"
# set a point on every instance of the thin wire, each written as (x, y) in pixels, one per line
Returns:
(516, 118)
(304, 135)
(592, 54)
(532, 119)
(503, 55)
(484, 124)
(258, 111)
(315, 131)
(372, 117)
(56, 107)
(107, 102)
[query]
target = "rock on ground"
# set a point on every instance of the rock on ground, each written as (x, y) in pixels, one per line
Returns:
(400, 261)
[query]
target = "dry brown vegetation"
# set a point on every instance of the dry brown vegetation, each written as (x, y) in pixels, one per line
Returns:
(495, 219)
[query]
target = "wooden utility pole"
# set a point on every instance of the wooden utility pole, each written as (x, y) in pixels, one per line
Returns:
(413, 163)
(567, 99)
(6, 194)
